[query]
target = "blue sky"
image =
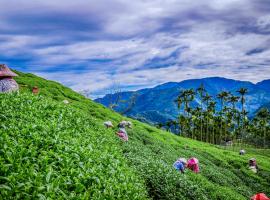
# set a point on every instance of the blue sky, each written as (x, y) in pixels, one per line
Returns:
(93, 45)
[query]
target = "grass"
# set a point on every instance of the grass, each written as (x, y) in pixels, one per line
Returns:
(51, 150)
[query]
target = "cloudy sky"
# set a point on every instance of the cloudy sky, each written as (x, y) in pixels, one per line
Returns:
(95, 44)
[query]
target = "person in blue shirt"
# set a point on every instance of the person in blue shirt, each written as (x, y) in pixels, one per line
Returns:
(180, 165)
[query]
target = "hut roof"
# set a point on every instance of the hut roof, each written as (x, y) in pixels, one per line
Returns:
(5, 71)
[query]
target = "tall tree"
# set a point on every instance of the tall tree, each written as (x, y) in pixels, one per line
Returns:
(233, 100)
(185, 97)
(223, 98)
(201, 91)
(212, 110)
(264, 116)
(206, 99)
(242, 92)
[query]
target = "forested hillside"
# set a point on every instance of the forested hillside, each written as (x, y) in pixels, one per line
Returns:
(157, 105)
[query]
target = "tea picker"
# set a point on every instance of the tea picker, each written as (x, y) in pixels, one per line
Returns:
(122, 133)
(108, 124)
(242, 152)
(7, 83)
(180, 165)
(253, 165)
(193, 164)
(259, 196)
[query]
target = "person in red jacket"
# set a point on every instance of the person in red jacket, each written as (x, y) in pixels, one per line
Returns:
(259, 196)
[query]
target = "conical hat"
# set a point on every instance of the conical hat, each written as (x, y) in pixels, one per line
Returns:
(5, 71)
(183, 160)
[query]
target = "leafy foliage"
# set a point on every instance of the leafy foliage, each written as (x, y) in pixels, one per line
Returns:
(224, 174)
(52, 151)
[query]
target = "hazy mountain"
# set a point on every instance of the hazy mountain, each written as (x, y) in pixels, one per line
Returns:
(157, 104)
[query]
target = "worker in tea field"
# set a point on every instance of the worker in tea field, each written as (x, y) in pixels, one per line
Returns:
(7, 83)
(65, 101)
(259, 196)
(108, 124)
(242, 152)
(122, 133)
(193, 164)
(124, 124)
(253, 165)
(180, 165)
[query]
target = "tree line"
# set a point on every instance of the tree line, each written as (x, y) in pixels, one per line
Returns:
(206, 122)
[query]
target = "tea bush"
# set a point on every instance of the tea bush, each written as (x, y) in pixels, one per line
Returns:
(52, 151)
(224, 174)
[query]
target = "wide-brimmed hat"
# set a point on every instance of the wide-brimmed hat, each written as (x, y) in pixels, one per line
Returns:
(108, 123)
(183, 160)
(5, 71)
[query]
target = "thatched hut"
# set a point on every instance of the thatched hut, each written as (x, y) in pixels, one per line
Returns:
(7, 83)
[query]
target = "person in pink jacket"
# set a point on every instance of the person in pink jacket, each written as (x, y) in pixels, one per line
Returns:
(193, 164)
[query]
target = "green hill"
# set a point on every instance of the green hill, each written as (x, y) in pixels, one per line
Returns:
(50, 150)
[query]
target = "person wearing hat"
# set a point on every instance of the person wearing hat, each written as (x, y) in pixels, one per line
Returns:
(7, 83)
(122, 133)
(180, 164)
(259, 196)
(129, 124)
(122, 124)
(193, 164)
(253, 165)
(242, 152)
(108, 124)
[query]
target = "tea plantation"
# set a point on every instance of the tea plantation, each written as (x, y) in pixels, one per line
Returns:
(52, 150)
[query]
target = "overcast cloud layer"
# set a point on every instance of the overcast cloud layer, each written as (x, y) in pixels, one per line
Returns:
(90, 45)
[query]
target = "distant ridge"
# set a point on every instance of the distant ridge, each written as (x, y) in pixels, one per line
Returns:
(157, 104)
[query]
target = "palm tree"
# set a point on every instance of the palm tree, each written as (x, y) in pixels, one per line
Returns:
(223, 97)
(185, 97)
(195, 121)
(212, 106)
(242, 92)
(206, 99)
(189, 98)
(233, 100)
(201, 91)
(182, 123)
(179, 101)
(264, 116)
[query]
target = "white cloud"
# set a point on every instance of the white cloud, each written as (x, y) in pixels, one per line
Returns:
(212, 37)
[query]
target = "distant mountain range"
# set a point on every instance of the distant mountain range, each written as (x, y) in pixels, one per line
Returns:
(157, 104)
